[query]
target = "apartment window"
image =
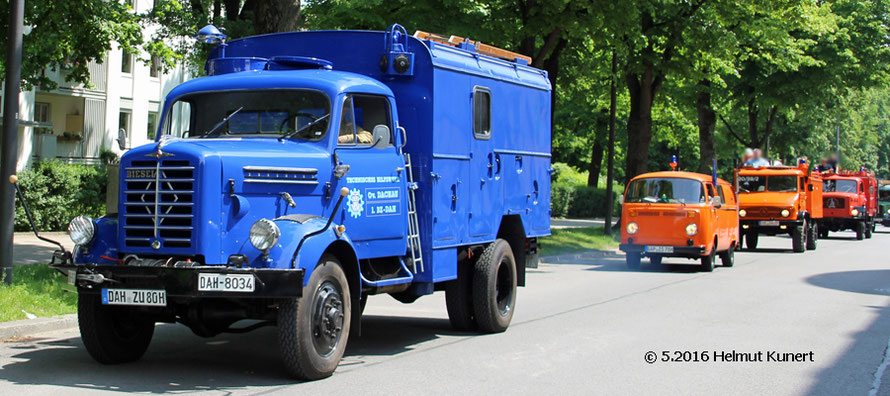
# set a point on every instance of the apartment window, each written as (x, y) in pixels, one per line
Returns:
(152, 124)
(123, 126)
(41, 114)
(126, 62)
(155, 70)
(482, 113)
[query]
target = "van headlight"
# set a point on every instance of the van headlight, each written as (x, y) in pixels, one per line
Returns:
(854, 212)
(692, 229)
(264, 234)
(786, 213)
(632, 228)
(743, 213)
(82, 230)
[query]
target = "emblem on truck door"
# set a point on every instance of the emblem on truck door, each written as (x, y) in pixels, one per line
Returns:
(355, 203)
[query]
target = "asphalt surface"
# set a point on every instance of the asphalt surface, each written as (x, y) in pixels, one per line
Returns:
(582, 328)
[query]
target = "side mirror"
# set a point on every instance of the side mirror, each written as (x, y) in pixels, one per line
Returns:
(122, 139)
(381, 136)
(716, 201)
(810, 187)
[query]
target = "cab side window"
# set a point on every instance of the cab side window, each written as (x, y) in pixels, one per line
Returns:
(361, 114)
(482, 113)
(720, 194)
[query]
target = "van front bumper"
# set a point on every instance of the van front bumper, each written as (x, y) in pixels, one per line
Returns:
(182, 282)
(677, 251)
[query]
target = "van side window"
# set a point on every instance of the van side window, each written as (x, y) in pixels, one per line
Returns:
(720, 194)
(482, 113)
(710, 190)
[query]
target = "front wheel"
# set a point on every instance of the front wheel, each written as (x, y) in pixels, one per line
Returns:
(313, 329)
(494, 287)
(812, 236)
(868, 230)
(860, 231)
(751, 240)
(112, 334)
(633, 260)
(727, 258)
(707, 261)
(798, 238)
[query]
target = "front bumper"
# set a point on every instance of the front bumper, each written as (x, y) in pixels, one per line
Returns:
(678, 251)
(182, 282)
(841, 223)
(782, 227)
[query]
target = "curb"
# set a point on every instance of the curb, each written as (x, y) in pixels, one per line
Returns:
(576, 257)
(28, 327)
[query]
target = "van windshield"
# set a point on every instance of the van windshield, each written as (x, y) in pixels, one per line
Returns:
(250, 113)
(760, 183)
(666, 190)
(845, 186)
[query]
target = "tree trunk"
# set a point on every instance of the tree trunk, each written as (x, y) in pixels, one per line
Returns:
(641, 89)
(276, 16)
(232, 9)
(753, 131)
(610, 165)
(596, 163)
(707, 122)
(552, 67)
(217, 11)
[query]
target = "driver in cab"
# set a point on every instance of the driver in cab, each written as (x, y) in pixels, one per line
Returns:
(348, 137)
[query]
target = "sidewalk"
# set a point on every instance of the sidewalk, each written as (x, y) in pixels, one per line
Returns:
(28, 249)
(558, 223)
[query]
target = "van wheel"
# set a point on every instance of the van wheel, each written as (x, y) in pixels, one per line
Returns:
(494, 287)
(459, 299)
(751, 240)
(707, 261)
(798, 239)
(313, 329)
(727, 258)
(112, 334)
(812, 236)
(860, 231)
(633, 260)
(655, 260)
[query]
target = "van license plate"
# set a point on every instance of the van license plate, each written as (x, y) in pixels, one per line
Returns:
(151, 298)
(225, 282)
(659, 249)
(769, 223)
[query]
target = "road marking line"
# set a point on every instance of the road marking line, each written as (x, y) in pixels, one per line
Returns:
(879, 373)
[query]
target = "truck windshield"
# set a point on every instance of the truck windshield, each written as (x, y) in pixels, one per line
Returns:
(250, 113)
(666, 190)
(884, 193)
(759, 183)
(846, 186)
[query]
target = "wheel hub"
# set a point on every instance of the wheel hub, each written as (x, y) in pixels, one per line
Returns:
(327, 318)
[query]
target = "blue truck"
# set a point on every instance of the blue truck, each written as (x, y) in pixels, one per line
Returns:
(310, 170)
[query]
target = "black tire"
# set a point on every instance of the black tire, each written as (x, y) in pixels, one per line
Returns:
(313, 329)
(112, 334)
(655, 260)
(799, 239)
(823, 233)
(633, 260)
(494, 287)
(727, 258)
(868, 230)
(812, 236)
(751, 240)
(459, 299)
(860, 231)
(707, 261)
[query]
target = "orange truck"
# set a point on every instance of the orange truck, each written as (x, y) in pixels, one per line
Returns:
(780, 200)
(850, 202)
(679, 214)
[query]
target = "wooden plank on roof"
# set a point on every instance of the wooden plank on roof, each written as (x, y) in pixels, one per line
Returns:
(481, 47)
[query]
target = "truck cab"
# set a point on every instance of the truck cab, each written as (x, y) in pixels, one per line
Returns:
(310, 170)
(884, 203)
(780, 200)
(850, 202)
(679, 214)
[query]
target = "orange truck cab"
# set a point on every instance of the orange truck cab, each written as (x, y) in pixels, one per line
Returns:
(850, 202)
(679, 214)
(780, 200)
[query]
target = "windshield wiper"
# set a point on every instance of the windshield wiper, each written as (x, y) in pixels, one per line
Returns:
(224, 120)
(311, 123)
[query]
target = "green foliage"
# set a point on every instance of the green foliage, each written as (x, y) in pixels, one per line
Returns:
(58, 192)
(579, 201)
(577, 240)
(36, 289)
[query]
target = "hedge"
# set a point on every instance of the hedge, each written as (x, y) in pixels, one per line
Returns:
(572, 200)
(57, 192)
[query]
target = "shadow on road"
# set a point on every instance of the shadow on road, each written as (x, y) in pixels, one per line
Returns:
(178, 361)
(619, 264)
(768, 250)
(867, 347)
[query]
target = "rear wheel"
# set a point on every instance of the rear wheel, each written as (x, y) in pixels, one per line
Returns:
(799, 238)
(633, 260)
(823, 233)
(727, 258)
(751, 240)
(112, 334)
(494, 287)
(707, 261)
(459, 298)
(313, 329)
(860, 231)
(812, 236)
(868, 230)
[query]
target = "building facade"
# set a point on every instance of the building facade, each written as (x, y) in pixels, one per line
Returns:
(76, 122)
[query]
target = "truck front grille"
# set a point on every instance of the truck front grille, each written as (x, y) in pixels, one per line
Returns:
(763, 212)
(158, 203)
(833, 203)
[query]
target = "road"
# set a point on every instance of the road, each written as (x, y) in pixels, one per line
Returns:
(579, 328)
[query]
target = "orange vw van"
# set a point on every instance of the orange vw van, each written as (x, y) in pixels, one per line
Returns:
(679, 214)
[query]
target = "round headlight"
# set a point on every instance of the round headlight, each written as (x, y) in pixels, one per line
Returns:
(82, 230)
(743, 213)
(786, 213)
(632, 228)
(264, 234)
(692, 229)
(854, 212)
(888, 211)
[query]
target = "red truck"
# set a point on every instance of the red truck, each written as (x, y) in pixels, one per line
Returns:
(850, 202)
